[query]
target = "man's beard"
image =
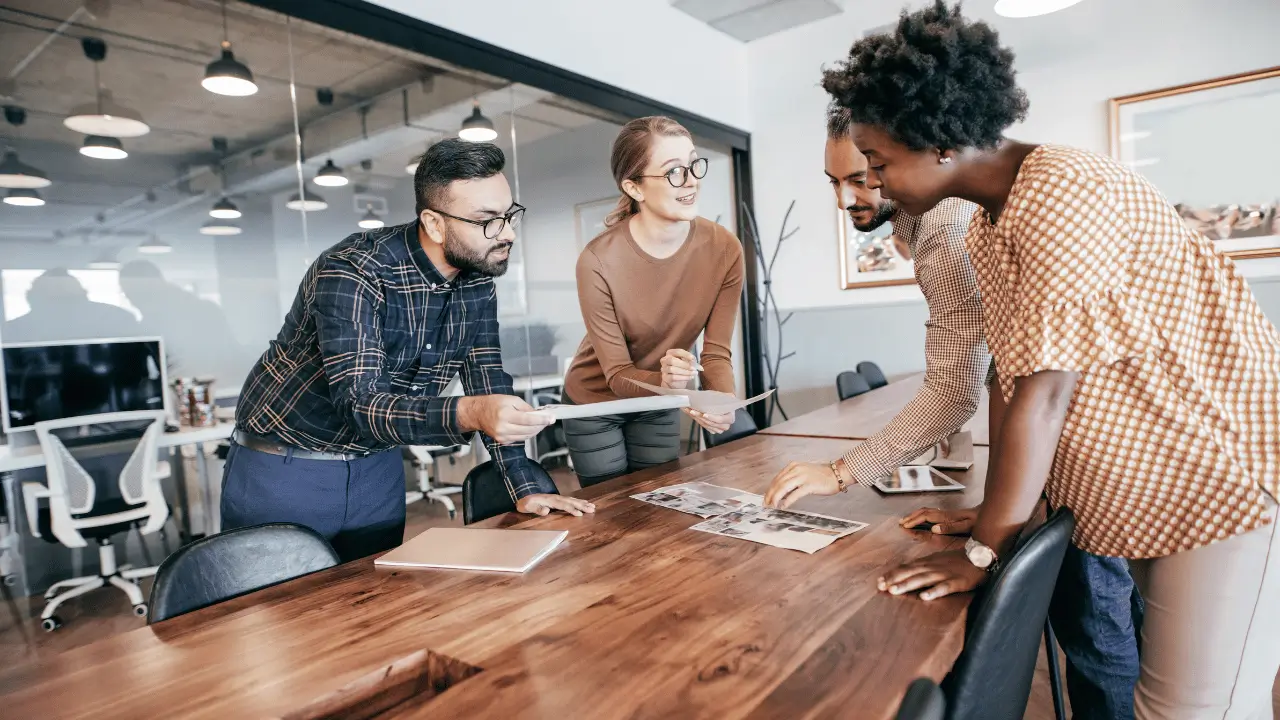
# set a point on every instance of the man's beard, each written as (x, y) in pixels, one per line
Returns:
(461, 256)
(885, 211)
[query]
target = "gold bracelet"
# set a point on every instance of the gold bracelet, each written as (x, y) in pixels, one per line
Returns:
(835, 470)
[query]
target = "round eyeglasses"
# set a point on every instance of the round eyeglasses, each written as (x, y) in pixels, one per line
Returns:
(679, 175)
(494, 226)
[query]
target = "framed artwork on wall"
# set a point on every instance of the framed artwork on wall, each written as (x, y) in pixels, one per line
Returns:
(588, 218)
(872, 259)
(1211, 148)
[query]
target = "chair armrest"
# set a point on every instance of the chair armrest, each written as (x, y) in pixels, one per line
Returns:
(32, 492)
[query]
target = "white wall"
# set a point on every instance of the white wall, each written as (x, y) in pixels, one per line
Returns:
(644, 46)
(1070, 63)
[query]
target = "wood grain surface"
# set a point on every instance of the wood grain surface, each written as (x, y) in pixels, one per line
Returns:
(861, 417)
(633, 616)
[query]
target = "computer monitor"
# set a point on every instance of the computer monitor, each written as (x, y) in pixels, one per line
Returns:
(50, 381)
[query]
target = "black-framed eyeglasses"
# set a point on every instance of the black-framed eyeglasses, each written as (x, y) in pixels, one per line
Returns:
(679, 175)
(494, 226)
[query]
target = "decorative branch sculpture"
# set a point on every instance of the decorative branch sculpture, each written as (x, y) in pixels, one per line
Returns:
(772, 359)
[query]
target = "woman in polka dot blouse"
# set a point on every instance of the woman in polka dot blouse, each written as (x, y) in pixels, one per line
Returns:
(1138, 382)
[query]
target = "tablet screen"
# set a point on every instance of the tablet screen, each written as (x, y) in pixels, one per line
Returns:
(917, 478)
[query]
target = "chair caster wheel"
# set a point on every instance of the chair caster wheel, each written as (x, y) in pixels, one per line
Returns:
(10, 580)
(453, 514)
(51, 623)
(140, 609)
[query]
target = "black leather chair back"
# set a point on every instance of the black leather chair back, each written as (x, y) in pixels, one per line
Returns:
(742, 426)
(991, 679)
(235, 562)
(923, 701)
(851, 384)
(871, 372)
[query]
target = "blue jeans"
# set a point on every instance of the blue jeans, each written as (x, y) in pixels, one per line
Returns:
(357, 505)
(1096, 613)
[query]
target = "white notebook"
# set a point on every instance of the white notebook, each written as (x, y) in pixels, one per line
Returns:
(475, 549)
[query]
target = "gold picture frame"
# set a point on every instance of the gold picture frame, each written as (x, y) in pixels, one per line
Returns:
(851, 277)
(1224, 194)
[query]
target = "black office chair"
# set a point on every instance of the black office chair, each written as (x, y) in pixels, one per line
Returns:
(924, 701)
(871, 372)
(851, 384)
(991, 679)
(233, 563)
(743, 426)
(484, 494)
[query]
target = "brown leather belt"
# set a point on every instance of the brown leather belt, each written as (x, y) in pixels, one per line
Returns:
(253, 442)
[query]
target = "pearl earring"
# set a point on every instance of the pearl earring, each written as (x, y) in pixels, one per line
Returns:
(944, 160)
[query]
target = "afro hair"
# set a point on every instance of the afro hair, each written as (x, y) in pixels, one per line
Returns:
(938, 81)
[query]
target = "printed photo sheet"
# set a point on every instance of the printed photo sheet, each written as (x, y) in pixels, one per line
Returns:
(789, 529)
(701, 499)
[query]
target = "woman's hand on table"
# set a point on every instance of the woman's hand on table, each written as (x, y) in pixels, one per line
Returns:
(798, 480)
(544, 503)
(945, 522)
(937, 575)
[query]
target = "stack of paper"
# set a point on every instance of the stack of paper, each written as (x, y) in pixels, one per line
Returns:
(699, 498)
(706, 401)
(614, 407)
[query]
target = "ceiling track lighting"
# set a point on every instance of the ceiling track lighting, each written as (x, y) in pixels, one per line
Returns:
(477, 127)
(330, 176)
(16, 174)
(307, 201)
(370, 220)
(103, 116)
(102, 147)
(1031, 8)
(226, 75)
(23, 197)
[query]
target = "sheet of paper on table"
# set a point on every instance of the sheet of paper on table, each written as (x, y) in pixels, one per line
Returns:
(788, 529)
(959, 454)
(698, 498)
(615, 407)
(706, 401)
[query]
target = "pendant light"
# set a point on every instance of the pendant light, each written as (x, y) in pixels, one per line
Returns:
(224, 209)
(106, 261)
(477, 128)
(371, 221)
(16, 174)
(1031, 8)
(330, 175)
(154, 246)
(23, 197)
(104, 116)
(306, 202)
(221, 227)
(103, 148)
(226, 75)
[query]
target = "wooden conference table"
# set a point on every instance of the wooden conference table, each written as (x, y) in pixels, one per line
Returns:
(633, 616)
(860, 417)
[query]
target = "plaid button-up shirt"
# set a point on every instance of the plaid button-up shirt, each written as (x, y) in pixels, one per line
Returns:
(374, 337)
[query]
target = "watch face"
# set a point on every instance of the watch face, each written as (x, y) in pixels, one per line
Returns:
(979, 554)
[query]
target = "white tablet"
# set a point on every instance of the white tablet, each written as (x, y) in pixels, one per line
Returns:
(917, 478)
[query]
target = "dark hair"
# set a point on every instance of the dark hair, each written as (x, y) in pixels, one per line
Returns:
(839, 124)
(938, 81)
(449, 160)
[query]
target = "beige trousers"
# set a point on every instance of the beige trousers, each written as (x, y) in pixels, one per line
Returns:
(1211, 635)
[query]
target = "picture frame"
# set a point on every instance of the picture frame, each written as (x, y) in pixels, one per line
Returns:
(588, 218)
(874, 259)
(1230, 193)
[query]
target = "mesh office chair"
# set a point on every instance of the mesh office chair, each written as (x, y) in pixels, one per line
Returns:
(424, 459)
(70, 516)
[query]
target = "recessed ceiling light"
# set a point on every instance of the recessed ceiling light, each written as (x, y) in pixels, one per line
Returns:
(103, 148)
(371, 221)
(24, 197)
(224, 209)
(220, 227)
(330, 175)
(16, 174)
(308, 202)
(477, 127)
(1031, 8)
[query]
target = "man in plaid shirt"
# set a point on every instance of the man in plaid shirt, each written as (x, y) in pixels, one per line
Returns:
(381, 324)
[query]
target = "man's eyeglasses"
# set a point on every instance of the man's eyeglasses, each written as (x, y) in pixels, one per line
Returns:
(494, 226)
(678, 176)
